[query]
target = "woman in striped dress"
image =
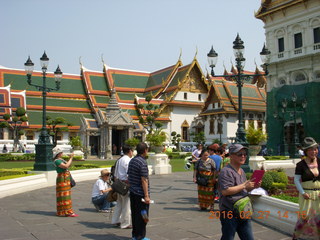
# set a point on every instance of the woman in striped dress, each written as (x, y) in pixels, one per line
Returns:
(206, 168)
(63, 187)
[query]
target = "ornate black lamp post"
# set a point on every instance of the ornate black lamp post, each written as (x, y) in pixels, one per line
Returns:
(281, 117)
(44, 147)
(294, 102)
(238, 49)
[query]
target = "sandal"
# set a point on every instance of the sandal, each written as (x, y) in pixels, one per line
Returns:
(72, 215)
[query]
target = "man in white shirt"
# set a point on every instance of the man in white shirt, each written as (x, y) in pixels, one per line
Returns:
(122, 213)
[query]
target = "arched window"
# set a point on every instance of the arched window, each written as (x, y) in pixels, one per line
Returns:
(300, 77)
(282, 81)
(30, 135)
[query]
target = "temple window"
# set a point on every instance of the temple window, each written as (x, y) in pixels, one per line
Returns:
(185, 96)
(316, 35)
(211, 126)
(30, 135)
(199, 97)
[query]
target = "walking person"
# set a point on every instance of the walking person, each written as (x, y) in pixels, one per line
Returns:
(122, 214)
(196, 153)
(206, 169)
(100, 191)
(63, 186)
(307, 181)
(233, 186)
(138, 177)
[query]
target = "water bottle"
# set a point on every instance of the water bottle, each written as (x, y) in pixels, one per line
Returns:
(144, 215)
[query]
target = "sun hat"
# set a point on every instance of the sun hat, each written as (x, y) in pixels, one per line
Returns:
(309, 142)
(234, 148)
(104, 172)
(56, 151)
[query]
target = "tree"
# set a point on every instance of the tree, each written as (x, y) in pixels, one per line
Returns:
(199, 137)
(14, 123)
(176, 139)
(56, 126)
(148, 116)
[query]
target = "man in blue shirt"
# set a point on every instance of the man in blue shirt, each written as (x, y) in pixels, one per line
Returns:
(138, 176)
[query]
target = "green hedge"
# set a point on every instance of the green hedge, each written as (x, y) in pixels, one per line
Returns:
(9, 172)
(287, 198)
(83, 166)
(276, 157)
(13, 157)
(179, 155)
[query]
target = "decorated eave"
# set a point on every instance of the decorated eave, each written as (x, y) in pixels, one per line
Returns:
(176, 83)
(269, 7)
(226, 92)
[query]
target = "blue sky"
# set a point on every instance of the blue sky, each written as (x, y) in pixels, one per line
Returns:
(144, 35)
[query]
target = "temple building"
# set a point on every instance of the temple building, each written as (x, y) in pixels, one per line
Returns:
(219, 116)
(102, 105)
(292, 29)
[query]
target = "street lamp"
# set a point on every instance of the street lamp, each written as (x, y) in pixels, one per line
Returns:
(238, 49)
(43, 161)
(281, 117)
(293, 113)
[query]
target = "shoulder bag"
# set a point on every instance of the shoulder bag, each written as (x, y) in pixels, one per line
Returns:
(200, 179)
(119, 186)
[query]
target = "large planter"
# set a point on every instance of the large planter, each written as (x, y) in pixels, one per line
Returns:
(156, 149)
(276, 213)
(254, 150)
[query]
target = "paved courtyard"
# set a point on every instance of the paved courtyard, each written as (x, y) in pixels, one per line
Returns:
(174, 215)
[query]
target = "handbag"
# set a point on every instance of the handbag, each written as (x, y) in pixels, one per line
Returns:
(200, 180)
(112, 196)
(243, 206)
(72, 181)
(120, 187)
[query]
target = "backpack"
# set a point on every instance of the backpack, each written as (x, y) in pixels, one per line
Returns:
(113, 170)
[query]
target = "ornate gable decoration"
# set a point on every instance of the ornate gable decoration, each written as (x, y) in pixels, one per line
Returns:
(194, 82)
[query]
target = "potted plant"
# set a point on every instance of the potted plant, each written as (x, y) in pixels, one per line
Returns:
(132, 142)
(75, 143)
(255, 137)
(156, 139)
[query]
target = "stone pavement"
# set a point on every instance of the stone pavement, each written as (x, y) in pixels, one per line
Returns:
(174, 215)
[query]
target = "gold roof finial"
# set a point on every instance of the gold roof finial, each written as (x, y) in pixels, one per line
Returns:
(180, 54)
(102, 58)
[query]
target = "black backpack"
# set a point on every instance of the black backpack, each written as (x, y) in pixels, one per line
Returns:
(112, 171)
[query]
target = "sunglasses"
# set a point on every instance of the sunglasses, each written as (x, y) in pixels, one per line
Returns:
(241, 154)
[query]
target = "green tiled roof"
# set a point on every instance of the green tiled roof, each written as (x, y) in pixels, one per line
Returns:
(128, 96)
(179, 76)
(130, 81)
(58, 102)
(19, 82)
(35, 117)
(156, 79)
(99, 83)
(102, 99)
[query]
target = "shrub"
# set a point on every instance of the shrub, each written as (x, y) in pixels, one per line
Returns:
(9, 172)
(255, 136)
(267, 181)
(274, 180)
